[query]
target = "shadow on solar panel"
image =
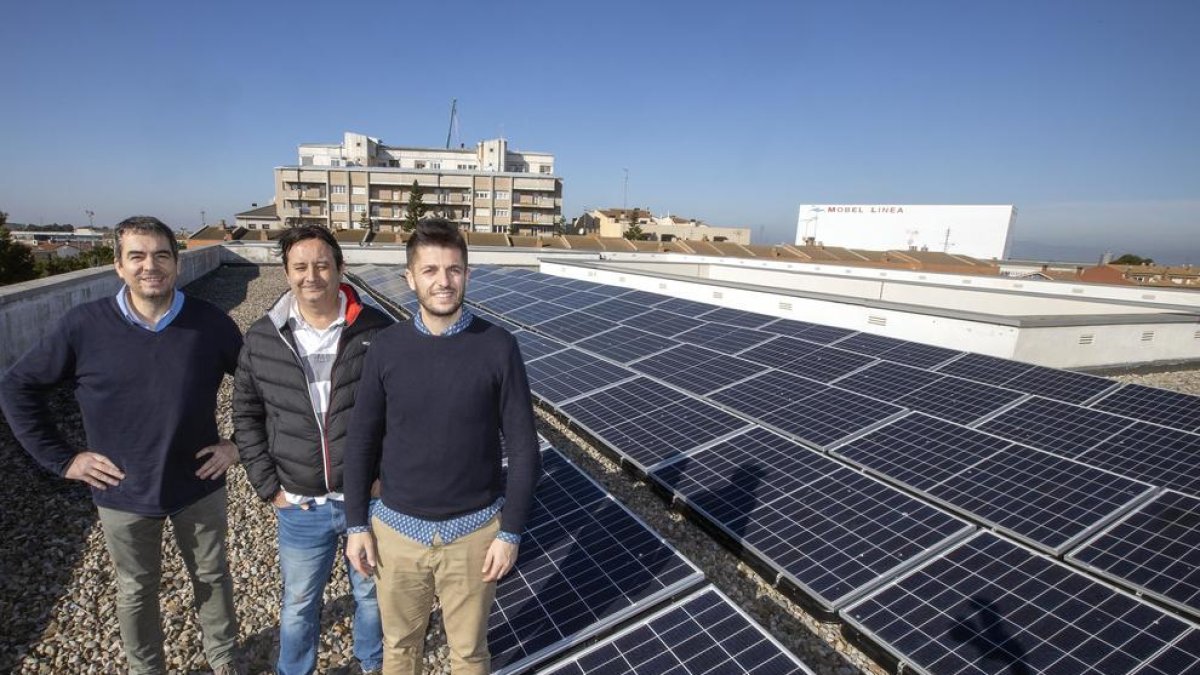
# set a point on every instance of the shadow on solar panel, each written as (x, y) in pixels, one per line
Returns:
(585, 566)
(991, 606)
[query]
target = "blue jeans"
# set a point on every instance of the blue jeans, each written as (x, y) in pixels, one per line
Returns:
(308, 544)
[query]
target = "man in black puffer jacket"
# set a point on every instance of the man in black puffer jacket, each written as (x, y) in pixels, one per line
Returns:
(293, 394)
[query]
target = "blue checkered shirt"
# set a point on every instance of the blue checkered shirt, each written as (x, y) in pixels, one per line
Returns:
(423, 531)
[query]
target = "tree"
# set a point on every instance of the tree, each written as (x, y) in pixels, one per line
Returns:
(16, 259)
(415, 209)
(1131, 259)
(634, 232)
(560, 225)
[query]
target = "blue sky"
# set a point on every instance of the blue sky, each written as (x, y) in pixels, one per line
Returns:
(1085, 114)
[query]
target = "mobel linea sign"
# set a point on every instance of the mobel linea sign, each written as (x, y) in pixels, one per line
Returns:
(864, 209)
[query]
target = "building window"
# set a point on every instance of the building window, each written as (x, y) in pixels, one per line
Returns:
(435, 165)
(358, 190)
(251, 226)
(501, 213)
(335, 162)
(360, 208)
(501, 195)
(306, 160)
(338, 189)
(419, 164)
(339, 208)
(483, 213)
(545, 168)
(483, 194)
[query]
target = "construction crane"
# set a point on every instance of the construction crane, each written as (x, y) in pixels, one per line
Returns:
(453, 121)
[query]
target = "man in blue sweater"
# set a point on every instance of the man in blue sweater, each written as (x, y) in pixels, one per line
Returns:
(435, 396)
(146, 365)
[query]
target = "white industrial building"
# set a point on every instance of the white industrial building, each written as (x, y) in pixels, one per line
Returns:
(980, 231)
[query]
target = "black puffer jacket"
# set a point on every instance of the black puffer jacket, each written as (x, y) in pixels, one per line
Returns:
(280, 440)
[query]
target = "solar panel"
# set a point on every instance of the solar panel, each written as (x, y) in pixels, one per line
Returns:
(1160, 406)
(550, 292)
(578, 573)
(643, 298)
(736, 317)
(683, 306)
(831, 416)
(649, 423)
(1061, 428)
(919, 355)
(781, 351)
(832, 532)
(493, 319)
(696, 369)
(959, 400)
(562, 487)
(1155, 549)
(990, 606)
(703, 634)
(535, 312)
(569, 373)
(920, 451)
(986, 369)
(766, 393)
(812, 332)
(661, 322)
(503, 304)
(887, 381)
(1062, 385)
(479, 293)
(1041, 498)
(1181, 657)
(534, 346)
(825, 364)
(724, 338)
(626, 344)
(578, 299)
(574, 326)
(1154, 454)
(616, 309)
(869, 344)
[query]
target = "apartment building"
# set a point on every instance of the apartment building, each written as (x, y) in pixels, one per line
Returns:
(488, 188)
(614, 223)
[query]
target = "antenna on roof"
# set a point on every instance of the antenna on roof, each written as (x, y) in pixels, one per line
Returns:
(453, 121)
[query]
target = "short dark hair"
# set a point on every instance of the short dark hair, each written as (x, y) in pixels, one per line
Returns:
(435, 232)
(295, 235)
(145, 225)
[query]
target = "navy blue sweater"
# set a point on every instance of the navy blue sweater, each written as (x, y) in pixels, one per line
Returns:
(427, 420)
(148, 399)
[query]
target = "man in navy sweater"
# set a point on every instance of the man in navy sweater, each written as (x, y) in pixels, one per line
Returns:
(435, 395)
(146, 365)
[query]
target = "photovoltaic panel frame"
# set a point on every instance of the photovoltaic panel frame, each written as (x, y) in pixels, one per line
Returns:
(991, 606)
(830, 532)
(959, 400)
(647, 423)
(625, 344)
(569, 373)
(574, 326)
(1155, 549)
(1054, 426)
(703, 634)
(1157, 455)
(1043, 499)
(583, 568)
(1168, 408)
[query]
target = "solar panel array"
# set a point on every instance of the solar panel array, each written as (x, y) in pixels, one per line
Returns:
(750, 424)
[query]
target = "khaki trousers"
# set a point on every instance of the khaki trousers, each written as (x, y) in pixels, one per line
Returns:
(411, 574)
(135, 545)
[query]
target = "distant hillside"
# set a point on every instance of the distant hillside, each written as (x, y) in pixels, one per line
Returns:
(1025, 249)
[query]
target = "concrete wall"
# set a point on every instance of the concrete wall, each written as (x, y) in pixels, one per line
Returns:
(29, 310)
(1078, 341)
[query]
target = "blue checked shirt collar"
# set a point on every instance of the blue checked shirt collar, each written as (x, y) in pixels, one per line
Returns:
(454, 329)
